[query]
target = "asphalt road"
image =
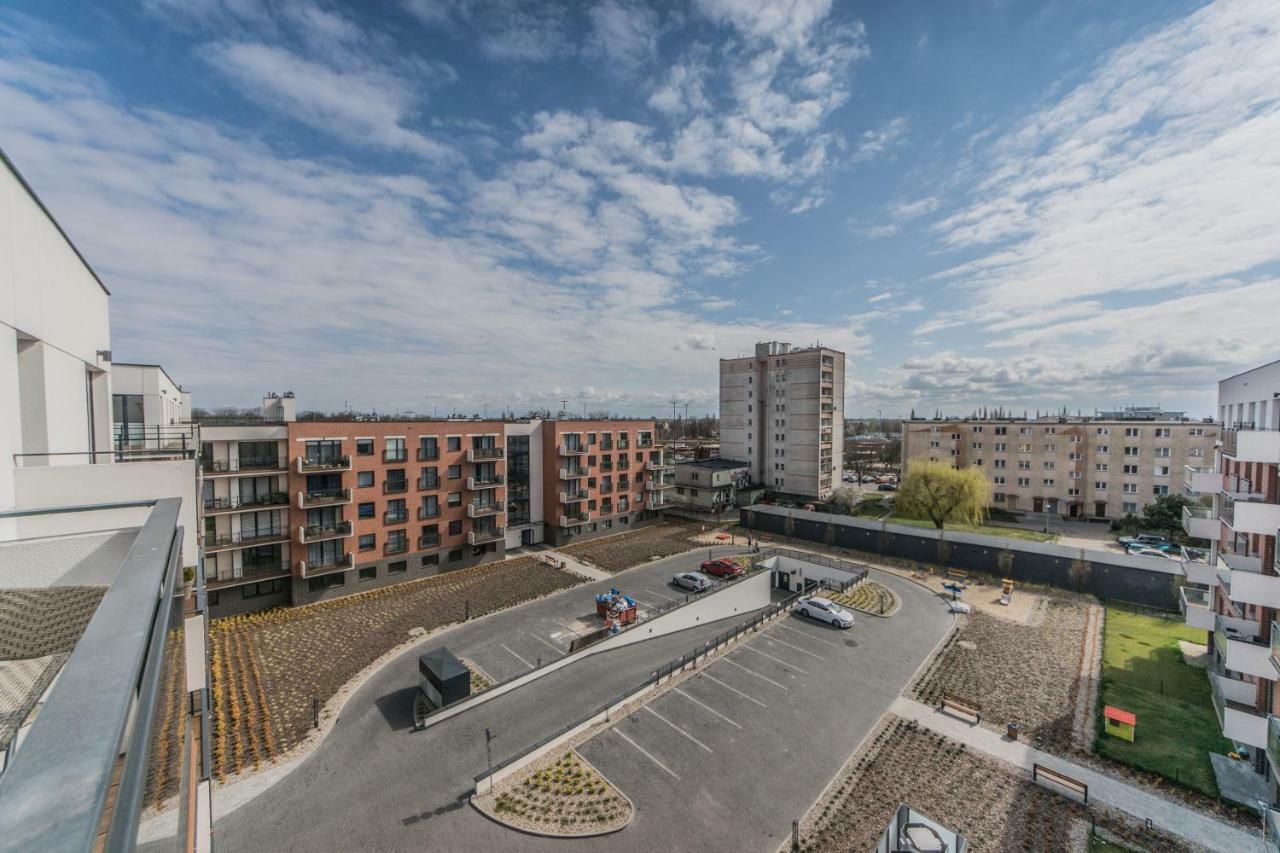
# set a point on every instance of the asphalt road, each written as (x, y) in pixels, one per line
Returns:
(376, 785)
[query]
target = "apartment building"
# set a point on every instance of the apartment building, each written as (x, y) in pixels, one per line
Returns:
(709, 485)
(782, 412)
(1105, 466)
(94, 539)
(145, 404)
(601, 477)
(1236, 586)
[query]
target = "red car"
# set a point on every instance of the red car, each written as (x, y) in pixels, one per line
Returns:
(721, 568)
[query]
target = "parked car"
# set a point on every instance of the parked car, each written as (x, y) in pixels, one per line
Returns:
(1147, 540)
(1148, 552)
(868, 479)
(721, 568)
(886, 487)
(825, 610)
(692, 581)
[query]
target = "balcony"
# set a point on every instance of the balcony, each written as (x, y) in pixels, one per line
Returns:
(390, 549)
(485, 454)
(573, 450)
(492, 481)
(231, 467)
(250, 574)
(392, 516)
(340, 563)
(659, 465)
(1271, 830)
(427, 513)
(573, 519)
(310, 465)
(323, 497)
(1201, 481)
(429, 540)
(573, 473)
(624, 444)
(1273, 755)
(1197, 568)
(425, 455)
(1252, 445)
(428, 484)
(572, 497)
(644, 442)
(394, 487)
(1240, 488)
(480, 510)
(1240, 648)
(237, 539)
(1200, 522)
(309, 533)
(1249, 516)
(653, 484)
(624, 486)
(605, 488)
(1197, 607)
(486, 535)
(606, 445)
(392, 455)
(1233, 703)
(655, 502)
(235, 503)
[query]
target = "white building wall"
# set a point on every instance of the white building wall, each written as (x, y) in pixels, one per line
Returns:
(163, 401)
(1251, 397)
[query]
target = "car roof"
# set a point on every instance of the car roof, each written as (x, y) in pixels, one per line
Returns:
(817, 599)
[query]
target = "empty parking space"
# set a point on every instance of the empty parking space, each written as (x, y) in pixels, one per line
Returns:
(777, 714)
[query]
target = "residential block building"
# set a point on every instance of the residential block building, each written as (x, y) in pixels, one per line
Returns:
(1235, 587)
(301, 511)
(782, 412)
(709, 485)
(1105, 466)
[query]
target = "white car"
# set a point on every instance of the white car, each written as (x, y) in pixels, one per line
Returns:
(825, 610)
(693, 581)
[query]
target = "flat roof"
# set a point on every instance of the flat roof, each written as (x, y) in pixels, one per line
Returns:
(715, 463)
(158, 367)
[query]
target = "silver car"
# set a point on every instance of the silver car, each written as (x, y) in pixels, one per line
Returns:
(692, 581)
(825, 610)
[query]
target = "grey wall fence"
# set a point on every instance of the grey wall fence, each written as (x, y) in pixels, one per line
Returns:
(1146, 581)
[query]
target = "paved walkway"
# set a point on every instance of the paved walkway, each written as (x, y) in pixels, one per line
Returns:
(1165, 814)
(577, 566)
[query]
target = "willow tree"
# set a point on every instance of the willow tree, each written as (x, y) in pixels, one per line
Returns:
(940, 493)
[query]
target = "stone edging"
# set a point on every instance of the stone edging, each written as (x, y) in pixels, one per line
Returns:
(569, 835)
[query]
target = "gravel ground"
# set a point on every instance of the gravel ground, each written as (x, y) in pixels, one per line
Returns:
(617, 553)
(994, 808)
(1025, 674)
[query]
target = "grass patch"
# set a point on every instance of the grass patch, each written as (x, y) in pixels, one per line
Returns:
(1143, 672)
(984, 529)
(872, 507)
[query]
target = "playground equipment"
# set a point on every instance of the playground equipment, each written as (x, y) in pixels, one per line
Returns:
(1006, 591)
(1119, 722)
(616, 609)
(955, 589)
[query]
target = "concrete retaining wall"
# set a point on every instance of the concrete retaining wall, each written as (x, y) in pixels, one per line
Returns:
(1148, 581)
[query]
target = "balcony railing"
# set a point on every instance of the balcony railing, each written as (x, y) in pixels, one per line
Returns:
(573, 519)
(1197, 607)
(1239, 719)
(573, 472)
(425, 455)
(1275, 648)
(250, 573)
(323, 497)
(425, 513)
(486, 535)
(573, 450)
(571, 497)
(395, 516)
(394, 547)
(491, 481)
(391, 455)
(480, 510)
(655, 484)
(238, 539)
(655, 502)
(236, 503)
(318, 532)
(429, 540)
(644, 443)
(1200, 522)
(1273, 745)
(249, 463)
(485, 454)
(310, 465)
(1240, 647)
(605, 488)
(624, 485)
(658, 465)
(1271, 830)
(606, 445)
(338, 563)
(394, 487)
(427, 484)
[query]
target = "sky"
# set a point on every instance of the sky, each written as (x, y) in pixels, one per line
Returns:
(434, 206)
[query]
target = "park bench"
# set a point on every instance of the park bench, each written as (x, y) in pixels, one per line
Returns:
(1039, 771)
(956, 574)
(961, 705)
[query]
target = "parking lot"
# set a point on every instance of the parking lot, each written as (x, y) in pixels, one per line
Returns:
(540, 632)
(739, 750)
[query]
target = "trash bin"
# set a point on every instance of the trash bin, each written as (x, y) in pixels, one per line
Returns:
(1013, 731)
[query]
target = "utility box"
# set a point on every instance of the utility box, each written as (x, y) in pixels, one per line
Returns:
(443, 678)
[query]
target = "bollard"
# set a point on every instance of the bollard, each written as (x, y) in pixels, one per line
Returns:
(466, 610)
(795, 836)
(315, 713)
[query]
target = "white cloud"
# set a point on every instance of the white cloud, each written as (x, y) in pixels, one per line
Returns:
(787, 24)
(876, 143)
(507, 30)
(880, 297)
(623, 34)
(904, 211)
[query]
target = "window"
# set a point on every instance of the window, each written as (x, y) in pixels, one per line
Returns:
(1049, 465)
(1101, 466)
(428, 448)
(397, 541)
(364, 446)
(1099, 485)
(1131, 469)
(998, 480)
(1163, 452)
(1024, 448)
(1048, 482)
(1103, 448)
(998, 497)
(455, 527)
(1131, 451)
(1162, 470)
(454, 443)
(429, 478)
(1132, 432)
(367, 541)
(1024, 464)
(454, 472)
(430, 560)
(1024, 482)
(1129, 508)
(1196, 451)
(455, 499)
(430, 506)
(399, 567)
(1159, 491)
(323, 582)
(1163, 432)
(1001, 447)
(1196, 432)
(365, 510)
(998, 463)
(455, 555)
(396, 481)
(394, 451)
(364, 479)
(257, 590)
(1130, 488)
(369, 574)
(1001, 430)
(396, 512)
(1103, 431)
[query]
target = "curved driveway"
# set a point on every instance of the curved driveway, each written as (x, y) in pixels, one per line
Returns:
(374, 784)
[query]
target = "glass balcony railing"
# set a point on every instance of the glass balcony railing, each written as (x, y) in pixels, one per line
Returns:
(1272, 830)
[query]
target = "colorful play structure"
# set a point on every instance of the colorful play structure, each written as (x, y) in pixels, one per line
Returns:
(1119, 722)
(1006, 591)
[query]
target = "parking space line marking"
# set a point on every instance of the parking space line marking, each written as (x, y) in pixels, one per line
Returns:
(647, 591)
(517, 657)
(642, 601)
(806, 634)
(778, 661)
(645, 753)
(548, 643)
(792, 646)
(678, 729)
(702, 704)
(756, 674)
(733, 689)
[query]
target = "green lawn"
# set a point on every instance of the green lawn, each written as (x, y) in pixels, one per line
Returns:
(984, 529)
(1143, 672)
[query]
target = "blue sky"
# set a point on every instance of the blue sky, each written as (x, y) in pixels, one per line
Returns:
(438, 205)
